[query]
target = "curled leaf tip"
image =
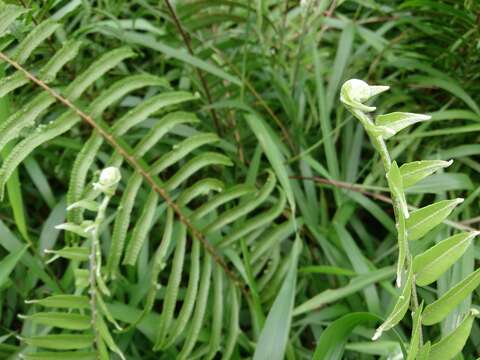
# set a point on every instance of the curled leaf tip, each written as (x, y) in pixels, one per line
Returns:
(377, 89)
(447, 163)
(474, 312)
(377, 334)
(423, 117)
(355, 92)
(109, 178)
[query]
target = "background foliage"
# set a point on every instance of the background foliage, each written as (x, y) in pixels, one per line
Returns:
(268, 75)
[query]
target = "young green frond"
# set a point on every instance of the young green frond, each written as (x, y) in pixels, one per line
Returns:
(428, 266)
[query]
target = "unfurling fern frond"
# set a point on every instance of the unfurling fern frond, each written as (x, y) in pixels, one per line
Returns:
(94, 332)
(427, 267)
(174, 221)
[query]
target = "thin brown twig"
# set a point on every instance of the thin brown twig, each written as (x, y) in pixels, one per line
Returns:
(188, 43)
(328, 14)
(462, 225)
(137, 166)
(345, 185)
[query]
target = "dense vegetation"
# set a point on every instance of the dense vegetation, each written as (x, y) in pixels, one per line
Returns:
(189, 179)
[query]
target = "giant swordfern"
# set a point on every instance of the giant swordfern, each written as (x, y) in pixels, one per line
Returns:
(200, 220)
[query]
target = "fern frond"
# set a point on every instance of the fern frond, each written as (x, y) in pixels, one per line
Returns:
(36, 37)
(170, 174)
(142, 228)
(40, 136)
(47, 73)
(8, 14)
(89, 151)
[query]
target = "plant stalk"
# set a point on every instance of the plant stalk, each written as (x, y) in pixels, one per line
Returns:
(381, 147)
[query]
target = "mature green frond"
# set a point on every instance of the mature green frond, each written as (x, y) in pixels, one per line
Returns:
(144, 118)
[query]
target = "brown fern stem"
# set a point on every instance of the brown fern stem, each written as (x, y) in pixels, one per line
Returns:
(137, 166)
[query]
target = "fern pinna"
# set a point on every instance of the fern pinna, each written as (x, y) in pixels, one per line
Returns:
(180, 249)
(412, 225)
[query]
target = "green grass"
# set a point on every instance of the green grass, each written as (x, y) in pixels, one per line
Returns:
(311, 252)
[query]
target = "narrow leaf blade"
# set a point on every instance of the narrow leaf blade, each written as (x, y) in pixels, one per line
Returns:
(416, 332)
(395, 182)
(61, 341)
(423, 220)
(63, 301)
(438, 310)
(8, 263)
(399, 309)
(274, 336)
(453, 343)
(61, 320)
(398, 121)
(431, 264)
(415, 171)
(273, 153)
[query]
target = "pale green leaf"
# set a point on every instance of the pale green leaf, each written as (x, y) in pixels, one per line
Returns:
(398, 121)
(63, 301)
(61, 355)
(402, 248)
(74, 228)
(431, 264)
(423, 220)
(453, 343)
(84, 204)
(396, 187)
(107, 337)
(62, 320)
(61, 341)
(73, 253)
(400, 308)
(415, 171)
(440, 183)
(438, 310)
